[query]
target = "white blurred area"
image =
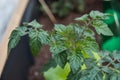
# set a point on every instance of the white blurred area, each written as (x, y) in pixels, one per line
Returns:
(7, 8)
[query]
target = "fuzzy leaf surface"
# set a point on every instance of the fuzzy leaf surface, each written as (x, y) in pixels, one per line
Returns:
(102, 28)
(35, 24)
(75, 61)
(16, 36)
(35, 42)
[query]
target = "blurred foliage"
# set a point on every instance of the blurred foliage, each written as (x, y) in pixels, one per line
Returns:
(62, 8)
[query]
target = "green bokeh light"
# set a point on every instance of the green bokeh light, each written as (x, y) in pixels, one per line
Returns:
(112, 44)
(111, 18)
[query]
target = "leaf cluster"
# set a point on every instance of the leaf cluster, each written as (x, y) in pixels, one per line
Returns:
(106, 66)
(37, 36)
(74, 44)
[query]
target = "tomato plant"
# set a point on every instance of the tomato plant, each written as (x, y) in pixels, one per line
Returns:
(74, 44)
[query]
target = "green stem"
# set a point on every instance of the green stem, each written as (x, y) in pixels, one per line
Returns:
(115, 70)
(111, 62)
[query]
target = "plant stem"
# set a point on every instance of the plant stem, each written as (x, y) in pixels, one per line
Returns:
(115, 70)
(48, 11)
(111, 62)
(85, 27)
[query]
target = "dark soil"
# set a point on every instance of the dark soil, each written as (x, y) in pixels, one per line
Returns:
(44, 55)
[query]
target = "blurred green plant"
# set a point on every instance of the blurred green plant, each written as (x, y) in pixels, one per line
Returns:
(75, 45)
(62, 8)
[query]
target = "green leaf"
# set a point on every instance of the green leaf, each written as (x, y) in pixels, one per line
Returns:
(15, 37)
(89, 63)
(89, 33)
(57, 73)
(84, 78)
(107, 77)
(113, 77)
(61, 59)
(22, 30)
(59, 27)
(118, 76)
(94, 74)
(82, 18)
(102, 28)
(73, 76)
(116, 55)
(44, 37)
(75, 62)
(98, 15)
(90, 74)
(99, 76)
(37, 38)
(35, 42)
(117, 65)
(96, 56)
(35, 24)
(89, 45)
(56, 49)
(106, 69)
